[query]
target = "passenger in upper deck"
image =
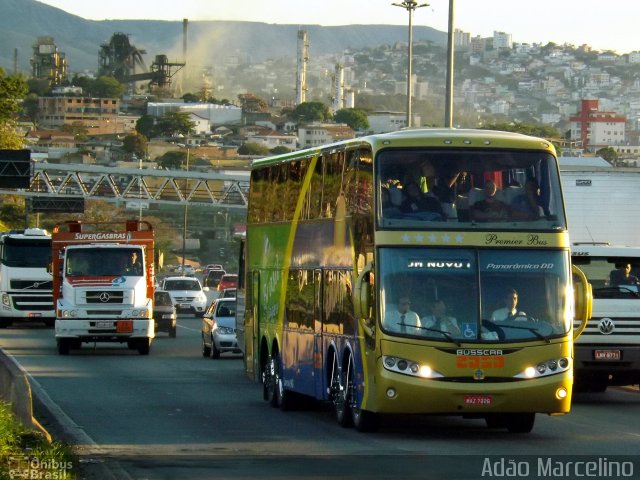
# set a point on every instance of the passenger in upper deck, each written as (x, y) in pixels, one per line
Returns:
(420, 204)
(490, 209)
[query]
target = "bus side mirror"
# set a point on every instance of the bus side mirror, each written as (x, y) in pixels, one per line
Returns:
(363, 299)
(583, 300)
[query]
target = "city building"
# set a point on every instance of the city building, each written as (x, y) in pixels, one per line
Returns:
(316, 134)
(597, 129)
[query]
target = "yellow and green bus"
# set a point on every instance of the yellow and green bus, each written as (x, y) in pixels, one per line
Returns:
(340, 238)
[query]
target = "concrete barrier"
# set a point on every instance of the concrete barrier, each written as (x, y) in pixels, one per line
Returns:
(15, 389)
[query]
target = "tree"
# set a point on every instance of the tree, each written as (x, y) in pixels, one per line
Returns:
(174, 123)
(146, 125)
(30, 107)
(190, 98)
(609, 154)
(172, 160)
(280, 149)
(12, 89)
(135, 143)
(107, 87)
(308, 112)
(9, 138)
(251, 103)
(355, 118)
(252, 148)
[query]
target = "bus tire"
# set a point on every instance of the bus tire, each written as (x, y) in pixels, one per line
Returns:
(172, 332)
(271, 380)
(520, 422)
(365, 421)
(342, 394)
(286, 400)
(63, 346)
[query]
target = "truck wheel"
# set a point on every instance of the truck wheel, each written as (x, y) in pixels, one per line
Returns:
(5, 322)
(144, 346)
(63, 346)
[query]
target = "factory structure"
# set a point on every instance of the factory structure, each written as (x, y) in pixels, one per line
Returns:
(48, 63)
(341, 97)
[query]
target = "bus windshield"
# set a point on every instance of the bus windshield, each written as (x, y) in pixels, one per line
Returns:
(467, 188)
(435, 294)
(30, 254)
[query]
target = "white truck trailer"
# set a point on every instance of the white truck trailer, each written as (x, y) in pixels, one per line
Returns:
(604, 227)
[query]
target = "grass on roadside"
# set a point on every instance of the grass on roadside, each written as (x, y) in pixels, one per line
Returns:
(26, 453)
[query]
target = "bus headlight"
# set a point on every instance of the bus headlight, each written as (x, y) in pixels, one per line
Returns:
(409, 367)
(543, 369)
(6, 299)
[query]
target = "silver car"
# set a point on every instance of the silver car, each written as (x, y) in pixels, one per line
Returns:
(219, 328)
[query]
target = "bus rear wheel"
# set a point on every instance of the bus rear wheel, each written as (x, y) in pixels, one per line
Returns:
(340, 395)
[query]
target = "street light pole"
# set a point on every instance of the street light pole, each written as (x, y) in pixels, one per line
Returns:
(448, 110)
(409, 6)
(184, 223)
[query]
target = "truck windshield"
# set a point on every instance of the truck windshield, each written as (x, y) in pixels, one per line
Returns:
(26, 253)
(474, 295)
(121, 262)
(611, 277)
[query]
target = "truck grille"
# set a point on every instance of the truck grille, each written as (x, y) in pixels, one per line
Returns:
(105, 297)
(36, 303)
(31, 284)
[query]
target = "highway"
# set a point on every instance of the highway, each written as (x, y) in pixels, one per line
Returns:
(176, 415)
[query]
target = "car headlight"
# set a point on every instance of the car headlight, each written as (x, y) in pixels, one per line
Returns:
(225, 330)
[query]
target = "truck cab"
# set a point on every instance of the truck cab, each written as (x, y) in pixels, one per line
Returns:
(607, 352)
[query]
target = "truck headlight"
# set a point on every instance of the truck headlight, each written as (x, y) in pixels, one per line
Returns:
(6, 299)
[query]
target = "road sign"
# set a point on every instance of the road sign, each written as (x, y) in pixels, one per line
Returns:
(57, 205)
(15, 168)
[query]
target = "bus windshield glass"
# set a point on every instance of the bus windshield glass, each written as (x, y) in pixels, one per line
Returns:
(435, 294)
(466, 188)
(26, 253)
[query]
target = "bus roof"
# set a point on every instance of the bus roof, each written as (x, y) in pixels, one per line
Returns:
(424, 137)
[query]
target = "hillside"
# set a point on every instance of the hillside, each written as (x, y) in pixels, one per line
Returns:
(22, 21)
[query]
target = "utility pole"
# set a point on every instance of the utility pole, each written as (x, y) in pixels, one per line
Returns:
(448, 109)
(184, 223)
(409, 6)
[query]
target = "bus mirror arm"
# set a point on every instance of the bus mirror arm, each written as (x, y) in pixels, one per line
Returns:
(583, 300)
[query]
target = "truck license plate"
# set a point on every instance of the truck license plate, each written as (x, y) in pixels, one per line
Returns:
(607, 354)
(104, 324)
(478, 399)
(124, 326)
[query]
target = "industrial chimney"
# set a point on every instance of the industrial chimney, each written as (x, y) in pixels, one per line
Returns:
(303, 58)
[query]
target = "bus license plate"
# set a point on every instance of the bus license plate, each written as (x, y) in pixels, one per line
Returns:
(607, 354)
(104, 324)
(478, 399)
(124, 326)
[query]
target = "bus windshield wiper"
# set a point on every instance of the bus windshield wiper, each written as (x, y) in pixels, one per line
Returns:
(530, 329)
(442, 332)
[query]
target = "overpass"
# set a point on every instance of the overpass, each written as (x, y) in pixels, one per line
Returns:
(225, 189)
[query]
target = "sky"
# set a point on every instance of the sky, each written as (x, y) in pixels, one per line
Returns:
(602, 25)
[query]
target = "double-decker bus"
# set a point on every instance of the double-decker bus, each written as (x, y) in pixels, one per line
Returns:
(458, 222)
